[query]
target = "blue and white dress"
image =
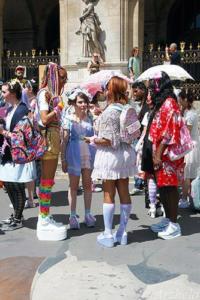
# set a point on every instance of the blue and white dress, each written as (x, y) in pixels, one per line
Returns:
(79, 155)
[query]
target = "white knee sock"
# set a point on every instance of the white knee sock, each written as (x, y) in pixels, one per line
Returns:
(125, 210)
(108, 212)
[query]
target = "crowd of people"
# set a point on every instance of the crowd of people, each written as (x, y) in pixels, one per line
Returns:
(91, 145)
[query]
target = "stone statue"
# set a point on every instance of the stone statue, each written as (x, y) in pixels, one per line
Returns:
(90, 30)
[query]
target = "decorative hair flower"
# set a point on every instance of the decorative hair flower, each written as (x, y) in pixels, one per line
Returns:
(74, 93)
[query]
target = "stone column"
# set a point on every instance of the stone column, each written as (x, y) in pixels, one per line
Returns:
(63, 31)
(124, 33)
(138, 24)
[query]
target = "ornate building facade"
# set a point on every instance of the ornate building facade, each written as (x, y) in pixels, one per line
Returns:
(45, 25)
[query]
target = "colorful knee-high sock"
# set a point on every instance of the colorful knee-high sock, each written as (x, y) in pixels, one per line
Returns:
(45, 196)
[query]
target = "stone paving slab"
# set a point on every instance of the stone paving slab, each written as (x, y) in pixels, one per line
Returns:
(16, 276)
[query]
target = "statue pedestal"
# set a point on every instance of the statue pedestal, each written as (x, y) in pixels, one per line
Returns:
(120, 31)
(78, 72)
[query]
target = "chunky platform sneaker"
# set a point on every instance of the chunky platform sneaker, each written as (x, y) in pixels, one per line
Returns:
(105, 240)
(90, 220)
(49, 230)
(172, 231)
(74, 222)
(160, 226)
(121, 239)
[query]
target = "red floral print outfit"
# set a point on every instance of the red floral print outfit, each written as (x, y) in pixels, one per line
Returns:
(165, 129)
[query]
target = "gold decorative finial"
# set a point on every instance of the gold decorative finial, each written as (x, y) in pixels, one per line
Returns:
(182, 46)
(33, 53)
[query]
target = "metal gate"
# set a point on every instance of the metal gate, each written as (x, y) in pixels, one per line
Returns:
(30, 59)
(190, 61)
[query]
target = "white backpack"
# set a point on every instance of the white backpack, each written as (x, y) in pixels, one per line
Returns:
(129, 123)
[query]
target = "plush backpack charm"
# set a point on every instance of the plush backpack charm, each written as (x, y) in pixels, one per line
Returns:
(27, 144)
(178, 151)
(129, 123)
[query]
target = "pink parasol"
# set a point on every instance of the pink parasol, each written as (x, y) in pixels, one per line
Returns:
(92, 88)
(102, 77)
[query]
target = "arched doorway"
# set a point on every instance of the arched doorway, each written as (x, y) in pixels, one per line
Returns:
(18, 34)
(35, 24)
(53, 29)
(184, 21)
(33, 30)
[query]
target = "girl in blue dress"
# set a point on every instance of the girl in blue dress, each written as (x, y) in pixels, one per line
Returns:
(77, 156)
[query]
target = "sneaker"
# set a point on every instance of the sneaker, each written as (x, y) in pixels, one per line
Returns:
(1, 232)
(8, 220)
(160, 226)
(152, 210)
(121, 239)
(29, 204)
(183, 203)
(96, 189)
(172, 231)
(134, 191)
(105, 240)
(49, 230)
(14, 224)
(74, 223)
(90, 220)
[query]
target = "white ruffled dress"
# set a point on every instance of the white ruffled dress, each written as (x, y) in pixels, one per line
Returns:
(118, 160)
(192, 159)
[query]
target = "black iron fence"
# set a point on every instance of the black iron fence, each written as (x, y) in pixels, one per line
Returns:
(190, 61)
(30, 59)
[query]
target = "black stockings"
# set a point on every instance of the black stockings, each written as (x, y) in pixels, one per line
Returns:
(17, 195)
(169, 197)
